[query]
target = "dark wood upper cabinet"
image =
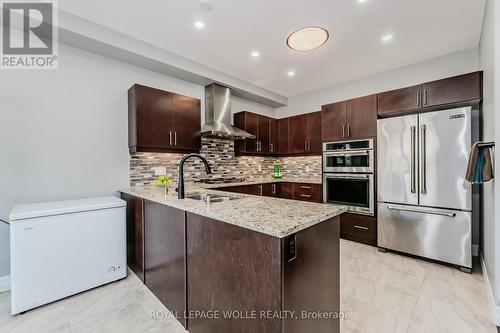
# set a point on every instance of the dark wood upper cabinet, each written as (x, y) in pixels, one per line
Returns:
(255, 124)
(361, 117)
(333, 121)
(273, 136)
(264, 134)
(283, 133)
(161, 121)
(298, 134)
(186, 122)
(452, 90)
(314, 143)
(401, 100)
(165, 257)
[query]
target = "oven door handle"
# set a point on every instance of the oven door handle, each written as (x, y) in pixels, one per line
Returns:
(349, 177)
(349, 153)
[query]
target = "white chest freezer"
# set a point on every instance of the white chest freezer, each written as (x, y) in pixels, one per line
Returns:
(62, 248)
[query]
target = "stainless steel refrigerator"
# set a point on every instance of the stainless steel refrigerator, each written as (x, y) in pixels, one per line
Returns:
(424, 201)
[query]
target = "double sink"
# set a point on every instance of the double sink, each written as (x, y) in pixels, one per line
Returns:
(210, 197)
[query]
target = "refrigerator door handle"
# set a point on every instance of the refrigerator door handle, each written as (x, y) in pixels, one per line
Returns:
(432, 212)
(413, 159)
(423, 160)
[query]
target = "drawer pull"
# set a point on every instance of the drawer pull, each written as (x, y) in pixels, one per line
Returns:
(360, 227)
(306, 187)
(306, 195)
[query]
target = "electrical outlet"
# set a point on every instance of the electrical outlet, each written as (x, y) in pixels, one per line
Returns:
(307, 168)
(160, 171)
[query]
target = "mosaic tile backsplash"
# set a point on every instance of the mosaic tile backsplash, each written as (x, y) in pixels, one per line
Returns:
(225, 165)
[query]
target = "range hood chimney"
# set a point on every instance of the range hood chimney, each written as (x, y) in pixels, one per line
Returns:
(218, 114)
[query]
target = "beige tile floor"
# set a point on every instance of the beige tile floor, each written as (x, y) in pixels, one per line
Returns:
(384, 293)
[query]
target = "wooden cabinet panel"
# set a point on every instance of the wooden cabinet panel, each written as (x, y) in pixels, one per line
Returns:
(286, 190)
(157, 118)
(263, 134)
(298, 134)
(227, 271)
(401, 100)
(251, 126)
(150, 117)
(359, 228)
(283, 135)
(274, 136)
(333, 121)
(186, 122)
(452, 90)
(314, 144)
(308, 192)
(165, 258)
(135, 234)
(362, 117)
(312, 279)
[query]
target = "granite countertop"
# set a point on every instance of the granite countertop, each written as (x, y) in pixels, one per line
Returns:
(272, 216)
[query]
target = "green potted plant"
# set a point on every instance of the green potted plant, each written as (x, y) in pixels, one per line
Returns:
(164, 181)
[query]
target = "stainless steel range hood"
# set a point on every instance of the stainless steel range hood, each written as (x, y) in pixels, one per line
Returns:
(218, 114)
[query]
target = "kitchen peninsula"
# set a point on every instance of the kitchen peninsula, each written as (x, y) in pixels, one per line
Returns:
(245, 263)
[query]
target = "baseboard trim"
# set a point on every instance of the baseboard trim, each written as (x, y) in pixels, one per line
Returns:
(4, 283)
(495, 309)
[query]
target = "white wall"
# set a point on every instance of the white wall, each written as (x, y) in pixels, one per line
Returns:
(490, 215)
(63, 133)
(490, 63)
(453, 64)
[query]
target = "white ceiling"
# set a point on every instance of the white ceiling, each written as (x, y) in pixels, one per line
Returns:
(422, 29)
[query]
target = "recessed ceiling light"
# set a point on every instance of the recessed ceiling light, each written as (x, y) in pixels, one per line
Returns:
(387, 38)
(307, 39)
(206, 5)
(255, 54)
(290, 73)
(199, 24)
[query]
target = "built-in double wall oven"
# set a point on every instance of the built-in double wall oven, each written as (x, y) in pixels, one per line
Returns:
(348, 175)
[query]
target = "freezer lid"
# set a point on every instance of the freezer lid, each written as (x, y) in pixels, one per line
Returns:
(29, 211)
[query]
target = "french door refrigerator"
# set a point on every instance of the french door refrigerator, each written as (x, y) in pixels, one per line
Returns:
(424, 201)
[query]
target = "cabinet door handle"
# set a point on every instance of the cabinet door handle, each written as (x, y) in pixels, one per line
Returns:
(348, 130)
(343, 131)
(309, 145)
(274, 188)
(170, 137)
(260, 189)
(306, 195)
(425, 97)
(175, 138)
(360, 227)
(271, 147)
(418, 97)
(306, 187)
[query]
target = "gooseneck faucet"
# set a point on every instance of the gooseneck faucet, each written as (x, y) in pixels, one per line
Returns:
(180, 188)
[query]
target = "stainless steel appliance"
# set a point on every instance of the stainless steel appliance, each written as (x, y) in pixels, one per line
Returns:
(424, 201)
(352, 190)
(348, 156)
(348, 175)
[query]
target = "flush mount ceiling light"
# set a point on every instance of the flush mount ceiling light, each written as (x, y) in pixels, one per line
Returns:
(307, 39)
(199, 24)
(387, 38)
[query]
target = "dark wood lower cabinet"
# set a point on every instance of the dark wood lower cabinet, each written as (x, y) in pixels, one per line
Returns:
(165, 256)
(359, 228)
(284, 190)
(241, 272)
(135, 234)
